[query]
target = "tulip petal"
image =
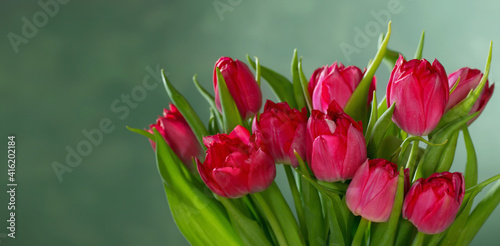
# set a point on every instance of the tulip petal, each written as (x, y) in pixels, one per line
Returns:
(228, 178)
(261, 171)
(355, 189)
(355, 152)
(328, 153)
(409, 112)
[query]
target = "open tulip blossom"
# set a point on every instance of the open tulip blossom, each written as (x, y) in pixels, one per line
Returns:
(282, 132)
(360, 171)
(234, 166)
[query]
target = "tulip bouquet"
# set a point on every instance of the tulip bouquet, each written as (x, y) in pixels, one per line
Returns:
(360, 171)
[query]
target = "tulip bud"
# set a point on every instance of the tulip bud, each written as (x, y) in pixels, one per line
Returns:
(234, 166)
(469, 79)
(420, 91)
(178, 135)
(432, 203)
(281, 131)
(335, 82)
(335, 144)
(372, 191)
(241, 85)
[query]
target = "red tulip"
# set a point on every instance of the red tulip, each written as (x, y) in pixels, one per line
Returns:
(420, 91)
(282, 130)
(178, 135)
(432, 203)
(469, 79)
(372, 191)
(241, 85)
(336, 145)
(234, 166)
(335, 82)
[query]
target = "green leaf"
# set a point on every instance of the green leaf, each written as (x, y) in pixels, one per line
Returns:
(281, 86)
(211, 101)
(214, 122)
(360, 232)
(248, 229)
(337, 214)
(390, 227)
(471, 165)
(297, 199)
(418, 53)
(313, 212)
(142, 132)
(278, 207)
(336, 234)
(257, 71)
(297, 86)
(200, 218)
(448, 154)
(379, 130)
(373, 118)
(389, 148)
(432, 155)
(406, 232)
(480, 214)
(186, 110)
(230, 114)
(390, 56)
(305, 83)
(356, 107)
(479, 187)
(382, 106)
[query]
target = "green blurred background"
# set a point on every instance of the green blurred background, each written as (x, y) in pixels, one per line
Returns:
(66, 76)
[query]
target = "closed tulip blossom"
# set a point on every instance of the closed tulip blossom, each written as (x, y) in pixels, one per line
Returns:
(432, 203)
(241, 85)
(420, 91)
(178, 135)
(372, 191)
(282, 131)
(469, 80)
(335, 144)
(234, 165)
(335, 82)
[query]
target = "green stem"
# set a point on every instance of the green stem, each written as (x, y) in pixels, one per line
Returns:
(412, 159)
(271, 218)
(419, 239)
(358, 237)
(296, 198)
